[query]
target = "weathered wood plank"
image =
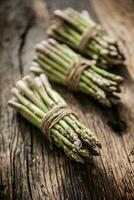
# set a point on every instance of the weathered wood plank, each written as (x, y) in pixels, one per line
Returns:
(28, 168)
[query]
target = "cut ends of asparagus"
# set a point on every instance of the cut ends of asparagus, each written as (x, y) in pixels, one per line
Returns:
(81, 33)
(34, 98)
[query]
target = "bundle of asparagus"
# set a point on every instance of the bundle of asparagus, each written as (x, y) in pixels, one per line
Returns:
(84, 35)
(64, 66)
(34, 98)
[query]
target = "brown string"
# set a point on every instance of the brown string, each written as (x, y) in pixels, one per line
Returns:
(53, 117)
(75, 72)
(86, 36)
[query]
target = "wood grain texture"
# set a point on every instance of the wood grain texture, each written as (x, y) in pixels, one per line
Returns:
(28, 168)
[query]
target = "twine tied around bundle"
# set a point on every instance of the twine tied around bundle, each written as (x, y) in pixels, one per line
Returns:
(53, 117)
(75, 72)
(86, 36)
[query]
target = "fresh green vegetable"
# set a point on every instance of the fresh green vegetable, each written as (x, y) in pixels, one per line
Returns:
(81, 33)
(58, 61)
(34, 99)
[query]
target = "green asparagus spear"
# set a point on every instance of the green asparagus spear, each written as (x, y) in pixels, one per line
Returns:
(57, 60)
(84, 35)
(34, 99)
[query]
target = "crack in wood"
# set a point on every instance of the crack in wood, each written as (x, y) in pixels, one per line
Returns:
(22, 43)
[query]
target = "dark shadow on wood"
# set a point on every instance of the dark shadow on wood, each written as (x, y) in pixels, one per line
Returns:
(112, 115)
(122, 71)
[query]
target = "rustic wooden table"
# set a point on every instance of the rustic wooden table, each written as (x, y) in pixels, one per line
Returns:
(28, 168)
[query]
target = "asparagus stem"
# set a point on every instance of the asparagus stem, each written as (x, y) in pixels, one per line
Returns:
(26, 113)
(33, 98)
(56, 60)
(27, 103)
(30, 94)
(68, 27)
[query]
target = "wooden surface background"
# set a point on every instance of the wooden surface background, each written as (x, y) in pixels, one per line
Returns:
(28, 168)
